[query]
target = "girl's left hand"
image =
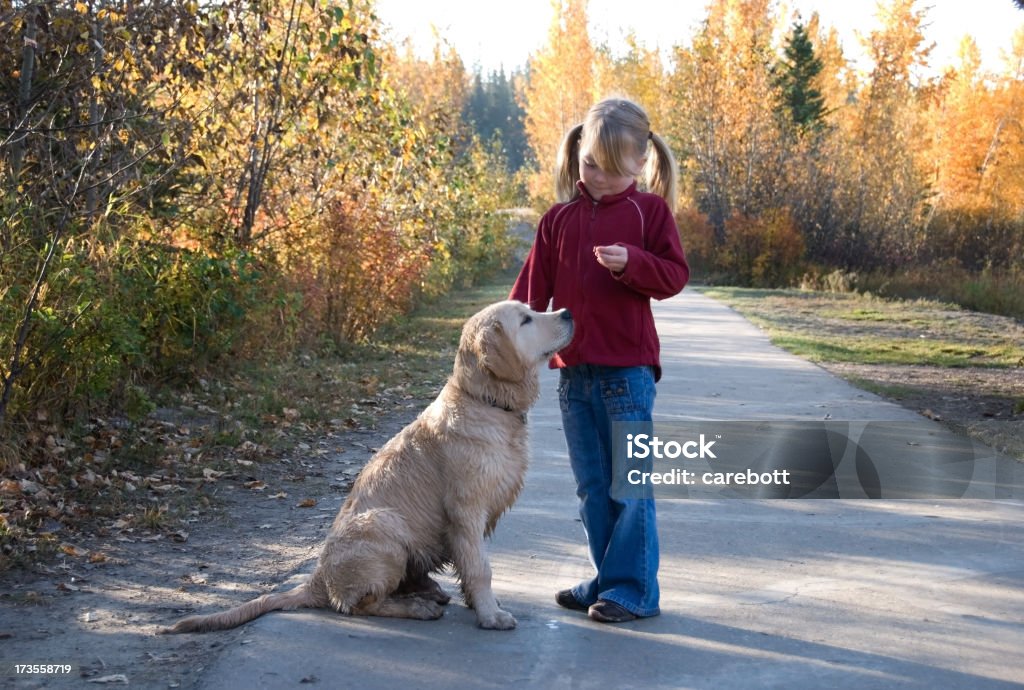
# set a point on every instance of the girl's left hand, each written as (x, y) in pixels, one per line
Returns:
(613, 257)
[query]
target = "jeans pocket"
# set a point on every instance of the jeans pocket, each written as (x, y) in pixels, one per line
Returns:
(617, 397)
(563, 393)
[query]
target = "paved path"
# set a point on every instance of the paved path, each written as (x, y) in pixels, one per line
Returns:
(755, 594)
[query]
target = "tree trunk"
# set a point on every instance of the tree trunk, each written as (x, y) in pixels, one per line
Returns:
(28, 61)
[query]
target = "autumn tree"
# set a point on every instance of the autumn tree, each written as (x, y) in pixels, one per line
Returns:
(872, 171)
(723, 120)
(974, 162)
(559, 89)
(459, 193)
(881, 197)
(1003, 167)
(964, 124)
(638, 74)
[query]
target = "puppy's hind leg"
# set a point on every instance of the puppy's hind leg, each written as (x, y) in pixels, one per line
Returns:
(363, 564)
(381, 568)
(419, 584)
(399, 607)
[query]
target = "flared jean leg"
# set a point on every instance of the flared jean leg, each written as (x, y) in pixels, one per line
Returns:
(622, 535)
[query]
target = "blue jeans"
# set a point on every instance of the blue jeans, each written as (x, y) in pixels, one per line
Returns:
(622, 535)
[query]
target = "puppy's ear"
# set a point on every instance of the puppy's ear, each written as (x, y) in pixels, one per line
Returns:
(498, 353)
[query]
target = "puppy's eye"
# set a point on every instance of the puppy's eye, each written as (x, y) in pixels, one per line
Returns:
(526, 319)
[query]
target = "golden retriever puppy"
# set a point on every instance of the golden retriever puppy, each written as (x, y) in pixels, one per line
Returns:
(429, 497)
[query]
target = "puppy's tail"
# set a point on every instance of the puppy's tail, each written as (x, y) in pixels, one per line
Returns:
(300, 597)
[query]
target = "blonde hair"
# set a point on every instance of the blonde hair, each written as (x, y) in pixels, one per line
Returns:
(614, 130)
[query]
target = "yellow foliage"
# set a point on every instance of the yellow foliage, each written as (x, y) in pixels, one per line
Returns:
(559, 91)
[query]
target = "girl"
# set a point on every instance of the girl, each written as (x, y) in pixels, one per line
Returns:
(603, 252)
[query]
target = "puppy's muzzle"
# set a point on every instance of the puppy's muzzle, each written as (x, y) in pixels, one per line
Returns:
(567, 327)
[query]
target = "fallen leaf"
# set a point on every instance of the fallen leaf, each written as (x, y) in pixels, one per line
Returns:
(256, 485)
(307, 503)
(212, 474)
(116, 678)
(280, 495)
(72, 550)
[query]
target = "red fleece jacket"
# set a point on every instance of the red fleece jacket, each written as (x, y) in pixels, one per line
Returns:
(612, 311)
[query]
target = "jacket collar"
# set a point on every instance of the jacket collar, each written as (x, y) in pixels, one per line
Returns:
(607, 198)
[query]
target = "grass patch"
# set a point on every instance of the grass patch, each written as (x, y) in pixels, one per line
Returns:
(864, 329)
(886, 390)
(880, 351)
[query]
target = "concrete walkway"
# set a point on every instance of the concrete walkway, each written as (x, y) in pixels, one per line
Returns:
(755, 594)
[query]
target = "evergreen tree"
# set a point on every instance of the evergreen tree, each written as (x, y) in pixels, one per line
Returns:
(495, 114)
(801, 102)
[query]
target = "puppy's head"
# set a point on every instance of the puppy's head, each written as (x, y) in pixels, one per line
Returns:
(510, 340)
(506, 342)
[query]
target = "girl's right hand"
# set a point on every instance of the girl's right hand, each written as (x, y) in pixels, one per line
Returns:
(614, 257)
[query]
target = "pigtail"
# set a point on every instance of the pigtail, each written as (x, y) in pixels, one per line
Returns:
(661, 171)
(567, 168)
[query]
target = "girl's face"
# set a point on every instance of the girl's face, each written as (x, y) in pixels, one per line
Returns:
(600, 183)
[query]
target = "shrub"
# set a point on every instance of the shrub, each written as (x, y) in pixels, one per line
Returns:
(974, 239)
(112, 316)
(698, 239)
(358, 271)
(763, 251)
(822, 279)
(199, 308)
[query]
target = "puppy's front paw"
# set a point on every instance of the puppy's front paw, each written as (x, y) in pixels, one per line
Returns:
(499, 620)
